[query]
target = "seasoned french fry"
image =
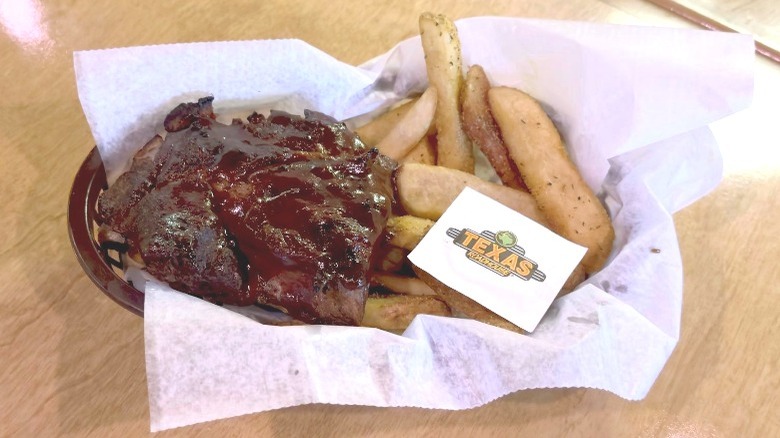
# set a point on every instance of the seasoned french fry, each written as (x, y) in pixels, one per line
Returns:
(374, 131)
(407, 231)
(443, 61)
(465, 305)
(535, 145)
(482, 130)
(392, 260)
(412, 127)
(424, 152)
(395, 313)
(402, 285)
(575, 278)
(426, 191)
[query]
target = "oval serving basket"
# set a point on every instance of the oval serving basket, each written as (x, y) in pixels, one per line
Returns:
(96, 260)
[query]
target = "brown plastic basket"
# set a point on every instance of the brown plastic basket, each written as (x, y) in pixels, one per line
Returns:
(96, 260)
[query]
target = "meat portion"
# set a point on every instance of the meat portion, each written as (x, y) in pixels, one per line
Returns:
(186, 114)
(183, 243)
(284, 211)
(308, 229)
(115, 205)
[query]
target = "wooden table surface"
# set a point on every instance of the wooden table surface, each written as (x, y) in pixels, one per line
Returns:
(72, 361)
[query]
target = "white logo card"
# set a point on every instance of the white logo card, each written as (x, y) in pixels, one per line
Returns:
(498, 258)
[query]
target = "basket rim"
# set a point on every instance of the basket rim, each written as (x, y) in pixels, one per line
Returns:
(94, 260)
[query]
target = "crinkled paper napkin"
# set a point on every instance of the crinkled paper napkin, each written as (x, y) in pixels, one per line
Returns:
(632, 103)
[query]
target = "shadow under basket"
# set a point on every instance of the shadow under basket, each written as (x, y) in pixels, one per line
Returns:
(101, 263)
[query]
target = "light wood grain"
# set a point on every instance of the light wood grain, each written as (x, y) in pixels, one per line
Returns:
(72, 363)
(758, 18)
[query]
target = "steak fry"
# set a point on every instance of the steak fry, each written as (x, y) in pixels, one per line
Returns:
(463, 304)
(413, 127)
(481, 128)
(423, 153)
(443, 61)
(426, 191)
(374, 131)
(395, 313)
(570, 206)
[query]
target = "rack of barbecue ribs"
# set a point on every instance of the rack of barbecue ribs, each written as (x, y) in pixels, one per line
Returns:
(283, 210)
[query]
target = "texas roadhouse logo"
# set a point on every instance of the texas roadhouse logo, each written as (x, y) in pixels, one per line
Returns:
(497, 252)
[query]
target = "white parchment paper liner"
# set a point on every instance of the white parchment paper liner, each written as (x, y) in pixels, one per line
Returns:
(632, 104)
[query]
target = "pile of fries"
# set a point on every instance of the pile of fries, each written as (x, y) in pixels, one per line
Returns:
(431, 136)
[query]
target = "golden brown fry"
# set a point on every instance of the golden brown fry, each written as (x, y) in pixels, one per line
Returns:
(423, 153)
(395, 313)
(577, 276)
(482, 130)
(407, 231)
(443, 61)
(535, 145)
(412, 127)
(465, 305)
(392, 259)
(374, 131)
(402, 285)
(426, 191)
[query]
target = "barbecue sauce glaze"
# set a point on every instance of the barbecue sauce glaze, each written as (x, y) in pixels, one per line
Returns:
(280, 210)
